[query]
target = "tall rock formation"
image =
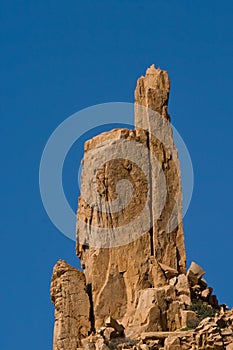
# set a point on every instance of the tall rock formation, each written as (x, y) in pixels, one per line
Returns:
(72, 308)
(130, 240)
(127, 271)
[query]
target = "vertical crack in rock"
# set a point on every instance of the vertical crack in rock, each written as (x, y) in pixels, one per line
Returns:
(151, 231)
(152, 92)
(91, 316)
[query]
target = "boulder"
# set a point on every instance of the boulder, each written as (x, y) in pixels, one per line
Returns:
(189, 319)
(110, 322)
(206, 293)
(195, 273)
(169, 271)
(172, 343)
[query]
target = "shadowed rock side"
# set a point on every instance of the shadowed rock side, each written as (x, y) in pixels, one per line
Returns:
(134, 292)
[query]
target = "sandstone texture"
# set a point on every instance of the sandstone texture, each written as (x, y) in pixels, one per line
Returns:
(134, 291)
(135, 273)
(72, 306)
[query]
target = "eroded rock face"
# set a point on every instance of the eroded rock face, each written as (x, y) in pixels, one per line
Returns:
(152, 91)
(72, 306)
(151, 114)
(151, 248)
(135, 292)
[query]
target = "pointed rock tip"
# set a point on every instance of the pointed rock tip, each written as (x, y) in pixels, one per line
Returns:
(153, 70)
(152, 90)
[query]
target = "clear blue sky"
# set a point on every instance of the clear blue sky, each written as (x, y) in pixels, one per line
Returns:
(58, 57)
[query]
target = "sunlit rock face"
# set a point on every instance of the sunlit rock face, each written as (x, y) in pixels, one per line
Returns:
(134, 291)
(130, 210)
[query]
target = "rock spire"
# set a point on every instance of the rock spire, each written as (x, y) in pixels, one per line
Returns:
(134, 291)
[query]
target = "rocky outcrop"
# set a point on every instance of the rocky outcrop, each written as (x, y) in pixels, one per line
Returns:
(149, 247)
(134, 291)
(152, 91)
(72, 306)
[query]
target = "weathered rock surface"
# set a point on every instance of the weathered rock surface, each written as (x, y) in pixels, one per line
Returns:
(195, 273)
(152, 91)
(72, 306)
(110, 322)
(135, 292)
(155, 251)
